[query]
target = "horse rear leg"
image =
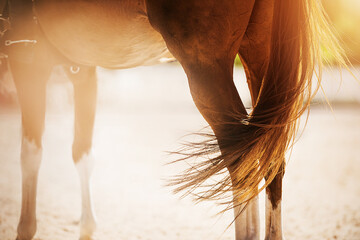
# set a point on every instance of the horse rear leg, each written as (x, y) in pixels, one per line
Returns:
(30, 81)
(85, 88)
(254, 53)
(206, 48)
(215, 95)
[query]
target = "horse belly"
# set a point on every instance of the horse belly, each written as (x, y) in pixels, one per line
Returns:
(115, 34)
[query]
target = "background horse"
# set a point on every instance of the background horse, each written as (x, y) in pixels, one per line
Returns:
(277, 41)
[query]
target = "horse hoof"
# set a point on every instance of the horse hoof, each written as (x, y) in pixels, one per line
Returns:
(26, 230)
(24, 237)
(86, 238)
(87, 228)
(275, 238)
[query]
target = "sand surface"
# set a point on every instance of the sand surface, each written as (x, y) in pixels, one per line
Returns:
(138, 120)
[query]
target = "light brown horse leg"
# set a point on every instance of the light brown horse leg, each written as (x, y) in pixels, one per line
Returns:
(205, 47)
(85, 88)
(247, 224)
(30, 80)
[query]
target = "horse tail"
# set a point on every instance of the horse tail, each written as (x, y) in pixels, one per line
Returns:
(300, 31)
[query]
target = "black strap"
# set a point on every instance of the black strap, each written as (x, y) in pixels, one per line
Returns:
(4, 8)
(18, 42)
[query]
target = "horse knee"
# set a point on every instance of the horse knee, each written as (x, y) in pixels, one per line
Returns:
(80, 149)
(82, 144)
(30, 157)
(85, 166)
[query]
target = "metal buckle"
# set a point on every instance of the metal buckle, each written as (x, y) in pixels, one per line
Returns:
(74, 69)
(10, 42)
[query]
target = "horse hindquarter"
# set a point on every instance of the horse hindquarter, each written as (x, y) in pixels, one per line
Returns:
(205, 39)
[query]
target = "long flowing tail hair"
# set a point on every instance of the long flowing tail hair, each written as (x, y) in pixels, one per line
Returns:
(300, 31)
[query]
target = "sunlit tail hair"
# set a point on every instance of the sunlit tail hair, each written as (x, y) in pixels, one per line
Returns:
(300, 31)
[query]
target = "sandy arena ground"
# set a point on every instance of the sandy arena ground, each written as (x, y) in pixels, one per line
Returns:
(141, 115)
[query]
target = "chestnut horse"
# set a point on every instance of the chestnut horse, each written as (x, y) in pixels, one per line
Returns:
(278, 43)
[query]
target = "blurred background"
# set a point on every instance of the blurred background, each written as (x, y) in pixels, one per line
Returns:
(144, 112)
(344, 14)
